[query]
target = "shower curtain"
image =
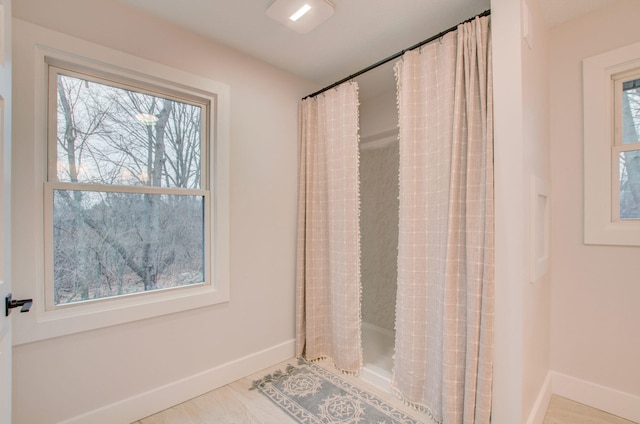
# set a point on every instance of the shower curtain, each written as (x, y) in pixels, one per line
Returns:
(444, 309)
(328, 251)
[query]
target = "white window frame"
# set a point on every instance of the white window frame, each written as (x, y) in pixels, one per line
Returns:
(52, 184)
(618, 146)
(601, 213)
(45, 322)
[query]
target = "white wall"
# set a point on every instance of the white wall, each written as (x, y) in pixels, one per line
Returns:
(595, 311)
(580, 320)
(509, 208)
(521, 362)
(574, 331)
(537, 163)
(169, 357)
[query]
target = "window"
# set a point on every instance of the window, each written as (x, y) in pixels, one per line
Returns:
(121, 187)
(127, 188)
(611, 87)
(626, 148)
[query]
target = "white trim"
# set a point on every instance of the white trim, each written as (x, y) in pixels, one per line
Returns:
(376, 376)
(539, 227)
(606, 399)
(386, 332)
(379, 140)
(148, 403)
(598, 71)
(539, 410)
(621, 404)
(35, 45)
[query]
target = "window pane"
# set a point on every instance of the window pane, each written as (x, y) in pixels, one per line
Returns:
(109, 135)
(631, 111)
(630, 184)
(109, 244)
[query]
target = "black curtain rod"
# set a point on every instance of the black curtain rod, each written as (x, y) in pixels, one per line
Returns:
(397, 55)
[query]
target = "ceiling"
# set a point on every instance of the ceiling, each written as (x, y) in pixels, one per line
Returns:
(360, 33)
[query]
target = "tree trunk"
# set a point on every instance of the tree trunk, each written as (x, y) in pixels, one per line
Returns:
(151, 247)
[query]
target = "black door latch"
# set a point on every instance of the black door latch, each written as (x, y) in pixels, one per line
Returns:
(9, 304)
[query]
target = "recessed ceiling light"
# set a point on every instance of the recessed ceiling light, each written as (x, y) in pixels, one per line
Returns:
(300, 15)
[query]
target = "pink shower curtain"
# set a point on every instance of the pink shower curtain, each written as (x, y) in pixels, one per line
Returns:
(328, 252)
(444, 310)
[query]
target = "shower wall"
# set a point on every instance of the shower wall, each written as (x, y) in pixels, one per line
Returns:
(379, 162)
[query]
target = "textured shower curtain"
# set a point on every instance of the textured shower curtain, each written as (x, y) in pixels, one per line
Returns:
(328, 252)
(444, 310)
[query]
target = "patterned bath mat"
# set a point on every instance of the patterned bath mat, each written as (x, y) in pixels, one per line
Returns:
(313, 395)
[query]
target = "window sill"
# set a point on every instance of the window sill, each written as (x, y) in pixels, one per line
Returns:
(41, 324)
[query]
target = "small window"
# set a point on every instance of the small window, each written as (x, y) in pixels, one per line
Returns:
(611, 93)
(626, 149)
(127, 192)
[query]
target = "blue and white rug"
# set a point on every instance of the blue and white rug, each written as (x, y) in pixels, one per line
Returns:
(313, 395)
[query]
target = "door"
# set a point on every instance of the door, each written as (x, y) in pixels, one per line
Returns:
(5, 209)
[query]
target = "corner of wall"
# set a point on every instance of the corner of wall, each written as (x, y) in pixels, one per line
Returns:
(509, 216)
(539, 410)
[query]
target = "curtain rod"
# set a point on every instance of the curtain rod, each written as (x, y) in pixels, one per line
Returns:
(396, 55)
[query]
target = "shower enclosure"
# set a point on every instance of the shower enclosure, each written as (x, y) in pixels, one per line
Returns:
(379, 164)
(374, 212)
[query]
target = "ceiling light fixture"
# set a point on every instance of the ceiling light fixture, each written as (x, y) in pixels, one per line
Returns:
(300, 15)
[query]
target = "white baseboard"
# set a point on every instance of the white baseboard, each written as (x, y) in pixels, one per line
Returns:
(144, 404)
(613, 401)
(542, 402)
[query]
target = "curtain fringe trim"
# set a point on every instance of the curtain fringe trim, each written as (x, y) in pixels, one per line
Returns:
(302, 360)
(417, 406)
(359, 209)
(279, 374)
